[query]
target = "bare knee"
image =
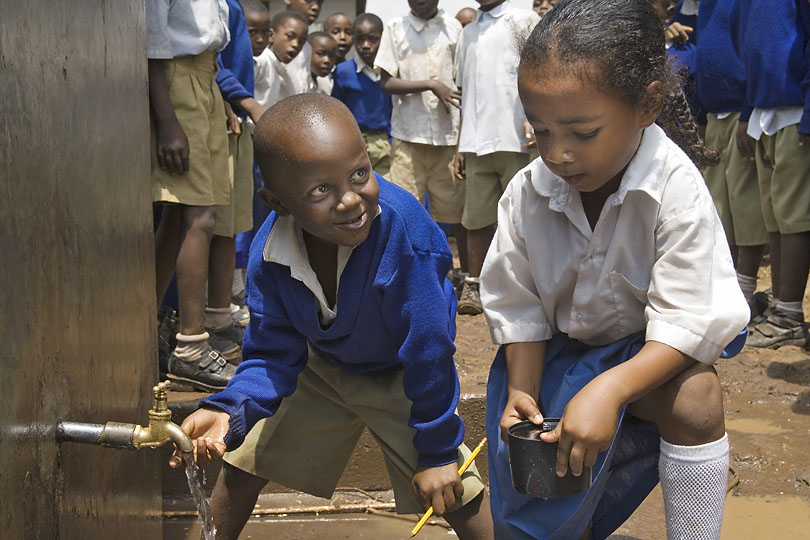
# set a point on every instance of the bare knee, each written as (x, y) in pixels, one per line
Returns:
(200, 219)
(692, 407)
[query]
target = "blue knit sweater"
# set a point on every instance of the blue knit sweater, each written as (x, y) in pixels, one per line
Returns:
(774, 47)
(719, 73)
(395, 311)
(364, 97)
(235, 76)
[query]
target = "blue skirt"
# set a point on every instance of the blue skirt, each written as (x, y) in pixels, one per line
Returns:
(622, 476)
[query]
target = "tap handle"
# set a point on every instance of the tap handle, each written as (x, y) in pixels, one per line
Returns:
(160, 392)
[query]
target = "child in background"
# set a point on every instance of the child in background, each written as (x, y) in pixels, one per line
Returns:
(415, 60)
(358, 86)
(274, 79)
(235, 80)
(542, 7)
(339, 26)
(610, 286)
(298, 69)
(720, 88)
(773, 45)
(189, 169)
(352, 325)
(466, 15)
(492, 141)
(324, 53)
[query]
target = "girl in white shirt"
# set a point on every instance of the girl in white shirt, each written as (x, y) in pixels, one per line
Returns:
(610, 285)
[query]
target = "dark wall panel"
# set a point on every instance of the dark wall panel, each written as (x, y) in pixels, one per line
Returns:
(77, 338)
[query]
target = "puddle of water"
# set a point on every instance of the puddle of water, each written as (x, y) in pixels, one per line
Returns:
(195, 484)
(755, 426)
(757, 518)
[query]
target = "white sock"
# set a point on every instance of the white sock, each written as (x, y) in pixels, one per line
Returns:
(190, 347)
(693, 479)
(748, 284)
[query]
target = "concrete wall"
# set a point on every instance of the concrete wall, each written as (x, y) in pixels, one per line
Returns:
(77, 338)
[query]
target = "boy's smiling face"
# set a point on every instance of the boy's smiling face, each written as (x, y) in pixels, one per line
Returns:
(288, 39)
(324, 54)
(258, 25)
(325, 183)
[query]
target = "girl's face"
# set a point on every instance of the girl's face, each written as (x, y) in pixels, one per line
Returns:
(586, 137)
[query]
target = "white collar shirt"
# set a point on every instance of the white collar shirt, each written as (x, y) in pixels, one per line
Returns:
(267, 78)
(366, 70)
(285, 245)
(771, 121)
(185, 28)
(416, 49)
(486, 71)
(656, 261)
(299, 70)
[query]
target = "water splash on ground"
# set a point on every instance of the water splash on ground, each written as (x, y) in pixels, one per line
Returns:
(195, 485)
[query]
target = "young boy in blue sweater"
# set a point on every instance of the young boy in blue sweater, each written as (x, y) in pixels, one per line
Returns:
(352, 325)
(357, 85)
(773, 44)
(720, 88)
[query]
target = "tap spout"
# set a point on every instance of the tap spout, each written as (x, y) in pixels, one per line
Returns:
(160, 430)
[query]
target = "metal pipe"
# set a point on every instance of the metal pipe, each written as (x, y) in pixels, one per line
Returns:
(111, 434)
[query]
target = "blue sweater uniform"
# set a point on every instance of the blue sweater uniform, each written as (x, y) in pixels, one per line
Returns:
(719, 73)
(235, 76)
(774, 40)
(364, 97)
(395, 311)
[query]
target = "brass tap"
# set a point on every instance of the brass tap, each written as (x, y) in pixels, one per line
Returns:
(161, 429)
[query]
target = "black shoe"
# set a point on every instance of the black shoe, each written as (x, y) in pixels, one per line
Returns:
(210, 372)
(228, 342)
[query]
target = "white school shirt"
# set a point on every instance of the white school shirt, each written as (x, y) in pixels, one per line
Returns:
(285, 245)
(770, 121)
(486, 71)
(185, 27)
(299, 70)
(416, 49)
(320, 85)
(657, 260)
(366, 70)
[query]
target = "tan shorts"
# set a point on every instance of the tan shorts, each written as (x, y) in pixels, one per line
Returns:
(199, 108)
(379, 152)
(307, 443)
(424, 167)
(783, 168)
(487, 177)
(237, 216)
(733, 185)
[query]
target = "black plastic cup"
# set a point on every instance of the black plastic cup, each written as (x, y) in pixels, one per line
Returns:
(533, 463)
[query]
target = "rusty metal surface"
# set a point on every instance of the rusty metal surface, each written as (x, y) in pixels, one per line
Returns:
(77, 271)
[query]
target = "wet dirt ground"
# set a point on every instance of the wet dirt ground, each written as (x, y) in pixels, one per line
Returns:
(767, 404)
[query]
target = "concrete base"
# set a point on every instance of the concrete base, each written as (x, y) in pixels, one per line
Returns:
(365, 470)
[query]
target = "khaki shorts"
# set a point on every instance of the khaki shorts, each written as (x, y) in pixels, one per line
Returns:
(733, 185)
(783, 168)
(487, 177)
(199, 108)
(379, 152)
(307, 443)
(237, 216)
(423, 167)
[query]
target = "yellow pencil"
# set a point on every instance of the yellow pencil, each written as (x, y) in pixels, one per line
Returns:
(461, 470)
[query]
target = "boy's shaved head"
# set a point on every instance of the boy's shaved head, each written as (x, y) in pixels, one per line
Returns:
(303, 119)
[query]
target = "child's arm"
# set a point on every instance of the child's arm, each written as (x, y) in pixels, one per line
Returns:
(590, 419)
(524, 367)
(438, 486)
(396, 86)
(207, 429)
(173, 146)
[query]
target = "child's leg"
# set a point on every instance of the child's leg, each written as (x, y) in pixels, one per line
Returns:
(473, 521)
(192, 266)
(693, 465)
(167, 242)
(233, 499)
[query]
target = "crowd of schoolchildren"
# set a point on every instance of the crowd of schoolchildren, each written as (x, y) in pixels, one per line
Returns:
(306, 177)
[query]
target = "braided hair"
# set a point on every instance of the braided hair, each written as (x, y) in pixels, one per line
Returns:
(618, 44)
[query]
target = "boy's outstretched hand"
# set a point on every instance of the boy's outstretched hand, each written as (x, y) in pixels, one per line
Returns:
(438, 486)
(586, 428)
(447, 96)
(207, 429)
